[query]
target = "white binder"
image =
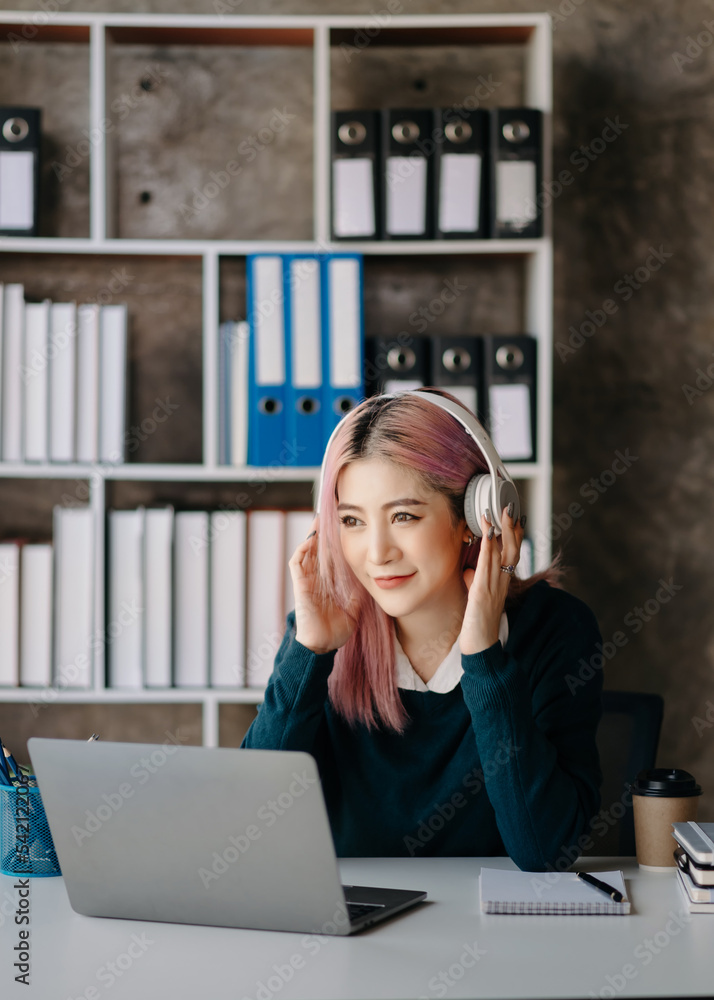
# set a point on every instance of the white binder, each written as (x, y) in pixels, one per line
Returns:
(297, 528)
(125, 625)
(112, 381)
(36, 615)
(191, 599)
(228, 593)
(87, 382)
(74, 596)
(63, 380)
(37, 321)
(9, 613)
(12, 393)
(158, 592)
(266, 587)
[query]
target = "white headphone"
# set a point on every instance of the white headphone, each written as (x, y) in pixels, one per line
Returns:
(483, 492)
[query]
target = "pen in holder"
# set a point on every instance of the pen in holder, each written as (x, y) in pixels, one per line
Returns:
(26, 847)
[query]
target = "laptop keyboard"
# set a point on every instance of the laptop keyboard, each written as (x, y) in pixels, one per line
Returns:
(356, 910)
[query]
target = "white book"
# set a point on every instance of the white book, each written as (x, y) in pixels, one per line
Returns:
(87, 382)
(34, 377)
(125, 625)
(63, 380)
(36, 615)
(266, 589)
(239, 394)
(297, 528)
(228, 574)
(158, 583)
(692, 906)
(9, 613)
(12, 335)
(112, 382)
(191, 558)
(74, 553)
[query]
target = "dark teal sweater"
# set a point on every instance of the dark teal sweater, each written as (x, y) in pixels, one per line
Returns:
(505, 763)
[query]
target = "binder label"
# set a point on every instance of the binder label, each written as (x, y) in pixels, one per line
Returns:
(16, 190)
(516, 193)
(306, 329)
(353, 184)
(268, 316)
(459, 188)
(511, 421)
(345, 330)
(406, 195)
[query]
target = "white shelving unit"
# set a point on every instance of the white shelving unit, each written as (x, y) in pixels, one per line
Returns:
(102, 32)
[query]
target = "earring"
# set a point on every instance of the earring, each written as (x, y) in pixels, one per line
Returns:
(470, 541)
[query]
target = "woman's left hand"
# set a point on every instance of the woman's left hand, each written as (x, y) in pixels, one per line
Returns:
(487, 585)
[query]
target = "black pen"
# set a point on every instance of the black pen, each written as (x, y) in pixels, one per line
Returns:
(609, 890)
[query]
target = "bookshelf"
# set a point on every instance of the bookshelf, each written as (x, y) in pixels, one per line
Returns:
(338, 61)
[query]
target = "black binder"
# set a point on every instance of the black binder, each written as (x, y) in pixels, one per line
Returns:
(19, 171)
(516, 172)
(510, 378)
(355, 173)
(461, 172)
(457, 367)
(407, 173)
(396, 363)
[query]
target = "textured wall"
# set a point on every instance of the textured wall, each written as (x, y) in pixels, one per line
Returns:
(618, 382)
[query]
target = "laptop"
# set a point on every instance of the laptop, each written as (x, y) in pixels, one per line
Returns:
(196, 835)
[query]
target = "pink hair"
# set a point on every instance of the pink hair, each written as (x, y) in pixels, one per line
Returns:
(362, 685)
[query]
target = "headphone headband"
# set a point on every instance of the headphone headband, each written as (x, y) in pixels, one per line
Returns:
(479, 493)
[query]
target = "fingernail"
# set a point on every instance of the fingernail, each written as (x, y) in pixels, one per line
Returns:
(488, 515)
(523, 521)
(490, 532)
(509, 509)
(311, 534)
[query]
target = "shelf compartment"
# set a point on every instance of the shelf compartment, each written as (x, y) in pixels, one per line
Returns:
(458, 295)
(213, 133)
(164, 297)
(48, 67)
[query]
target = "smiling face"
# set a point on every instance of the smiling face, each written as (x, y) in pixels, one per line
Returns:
(392, 526)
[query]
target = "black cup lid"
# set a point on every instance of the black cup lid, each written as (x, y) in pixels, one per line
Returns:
(666, 782)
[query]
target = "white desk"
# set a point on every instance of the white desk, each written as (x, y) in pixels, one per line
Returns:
(420, 953)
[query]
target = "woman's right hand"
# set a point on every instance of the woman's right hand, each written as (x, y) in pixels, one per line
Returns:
(320, 626)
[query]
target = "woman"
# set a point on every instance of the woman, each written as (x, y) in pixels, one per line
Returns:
(430, 684)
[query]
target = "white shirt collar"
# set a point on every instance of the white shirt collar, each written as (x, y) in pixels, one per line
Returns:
(447, 675)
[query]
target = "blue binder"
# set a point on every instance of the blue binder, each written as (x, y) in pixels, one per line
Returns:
(343, 333)
(303, 340)
(267, 442)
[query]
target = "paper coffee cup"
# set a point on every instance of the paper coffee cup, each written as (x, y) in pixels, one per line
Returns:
(660, 797)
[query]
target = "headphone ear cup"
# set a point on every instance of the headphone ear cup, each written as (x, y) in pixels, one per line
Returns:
(476, 502)
(507, 493)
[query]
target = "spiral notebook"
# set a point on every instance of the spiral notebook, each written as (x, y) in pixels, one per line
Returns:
(548, 892)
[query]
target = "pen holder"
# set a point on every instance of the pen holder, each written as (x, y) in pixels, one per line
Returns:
(26, 847)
